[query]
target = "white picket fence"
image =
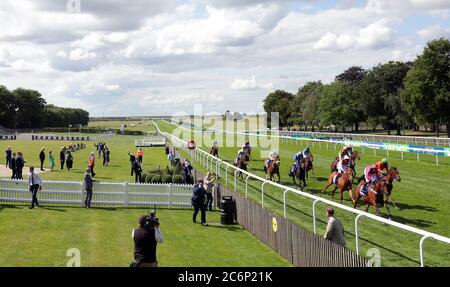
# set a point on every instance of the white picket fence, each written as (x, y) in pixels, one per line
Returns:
(107, 194)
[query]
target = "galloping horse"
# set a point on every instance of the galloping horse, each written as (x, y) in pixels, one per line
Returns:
(273, 168)
(374, 197)
(344, 182)
(214, 151)
(354, 157)
(300, 174)
(393, 174)
(309, 167)
(242, 163)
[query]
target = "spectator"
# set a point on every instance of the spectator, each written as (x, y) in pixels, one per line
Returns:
(132, 159)
(335, 230)
(88, 184)
(198, 201)
(146, 240)
(34, 181)
(91, 164)
(167, 150)
(187, 168)
(8, 155)
(42, 158)
(137, 171)
(12, 166)
(62, 157)
(20, 163)
(104, 155)
(98, 146)
(69, 161)
(209, 184)
(51, 160)
(107, 153)
(140, 154)
(171, 158)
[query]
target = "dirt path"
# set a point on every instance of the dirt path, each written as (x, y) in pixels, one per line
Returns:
(6, 172)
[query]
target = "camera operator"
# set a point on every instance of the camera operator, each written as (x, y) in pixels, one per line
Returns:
(146, 238)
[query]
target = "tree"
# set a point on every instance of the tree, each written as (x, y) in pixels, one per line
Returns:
(279, 101)
(427, 85)
(352, 75)
(6, 107)
(380, 91)
(31, 107)
(310, 92)
(332, 105)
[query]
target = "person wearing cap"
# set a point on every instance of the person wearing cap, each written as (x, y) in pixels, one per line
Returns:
(91, 163)
(347, 150)
(370, 176)
(8, 154)
(343, 165)
(382, 165)
(297, 159)
(272, 157)
(42, 158)
(88, 184)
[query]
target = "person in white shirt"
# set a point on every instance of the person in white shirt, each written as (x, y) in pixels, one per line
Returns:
(34, 181)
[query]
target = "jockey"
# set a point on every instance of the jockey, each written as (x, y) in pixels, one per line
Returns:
(347, 150)
(382, 165)
(241, 153)
(307, 153)
(297, 158)
(272, 157)
(370, 175)
(343, 164)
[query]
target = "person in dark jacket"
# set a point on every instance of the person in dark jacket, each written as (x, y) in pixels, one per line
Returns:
(12, 166)
(132, 159)
(107, 153)
(20, 163)
(8, 155)
(62, 157)
(137, 171)
(69, 161)
(42, 158)
(88, 184)
(198, 201)
(145, 243)
(187, 168)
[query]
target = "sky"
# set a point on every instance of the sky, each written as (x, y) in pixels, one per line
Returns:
(150, 57)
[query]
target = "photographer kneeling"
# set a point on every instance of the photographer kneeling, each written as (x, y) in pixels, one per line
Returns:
(146, 237)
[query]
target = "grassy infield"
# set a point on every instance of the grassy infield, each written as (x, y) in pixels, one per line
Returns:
(42, 236)
(423, 197)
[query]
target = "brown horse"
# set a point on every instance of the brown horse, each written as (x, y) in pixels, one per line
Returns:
(214, 151)
(344, 182)
(309, 167)
(393, 174)
(375, 196)
(273, 168)
(300, 174)
(354, 157)
(242, 163)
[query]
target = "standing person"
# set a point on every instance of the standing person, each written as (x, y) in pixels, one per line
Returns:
(20, 163)
(167, 150)
(146, 239)
(187, 168)
(69, 161)
(335, 230)
(88, 184)
(51, 160)
(62, 157)
(137, 171)
(8, 155)
(12, 166)
(91, 163)
(132, 159)
(99, 149)
(209, 183)
(198, 201)
(104, 155)
(140, 154)
(107, 153)
(42, 158)
(34, 181)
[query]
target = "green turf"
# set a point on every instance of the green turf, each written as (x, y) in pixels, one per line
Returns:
(41, 237)
(422, 196)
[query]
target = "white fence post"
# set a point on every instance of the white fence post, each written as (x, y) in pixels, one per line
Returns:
(356, 233)
(422, 240)
(314, 214)
(170, 194)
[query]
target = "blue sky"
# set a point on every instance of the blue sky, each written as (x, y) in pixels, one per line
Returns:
(155, 57)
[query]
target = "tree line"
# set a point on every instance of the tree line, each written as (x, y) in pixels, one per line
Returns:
(25, 108)
(394, 95)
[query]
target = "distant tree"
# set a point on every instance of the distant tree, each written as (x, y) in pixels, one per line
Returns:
(310, 92)
(332, 106)
(279, 101)
(427, 85)
(6, 107)
(31, 106)
(380, 91)
(352, 75)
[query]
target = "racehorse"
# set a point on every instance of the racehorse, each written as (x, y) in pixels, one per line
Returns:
(273, 169)
(309, 167)
(344, 182)
(353, 158)
(242, 163)
(214, 151)
(393, 174)
(248, 152)
(374, 197)
(300, 174)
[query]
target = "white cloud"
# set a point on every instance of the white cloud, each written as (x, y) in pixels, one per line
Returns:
(249, 84)
(433, 32)
(81, 54)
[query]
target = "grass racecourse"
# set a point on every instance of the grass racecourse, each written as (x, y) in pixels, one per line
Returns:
(41, 237)
(423, 196)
